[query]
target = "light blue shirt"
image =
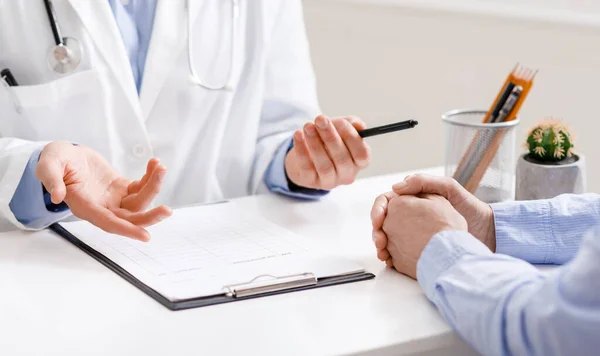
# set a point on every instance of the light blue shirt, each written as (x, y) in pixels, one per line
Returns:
(135, 21)
(502, 305)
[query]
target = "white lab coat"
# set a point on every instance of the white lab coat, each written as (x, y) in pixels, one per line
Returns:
(216, 144)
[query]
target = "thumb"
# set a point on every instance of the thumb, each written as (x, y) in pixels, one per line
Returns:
(379, 209)
(50, 171)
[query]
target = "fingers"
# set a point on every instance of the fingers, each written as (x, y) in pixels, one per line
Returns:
(142, 200)
(383, 255)
(402, 203)
(378, 214)
(50, 171)
(380, 240)
(320, 158)
(337, 150)
(111, 223)
(357, 123)
(417, 184)
(356, 145)
(379, 209)
(328, 152)
(135, 187)
(304, 162)
(433, 197)
(147, 218)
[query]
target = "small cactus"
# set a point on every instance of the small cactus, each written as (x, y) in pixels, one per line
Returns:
(550, 141)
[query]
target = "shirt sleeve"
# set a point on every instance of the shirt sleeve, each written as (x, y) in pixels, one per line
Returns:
(501, 305)
(289, 95)
(277, 180)
(29, 205)
(545, 231)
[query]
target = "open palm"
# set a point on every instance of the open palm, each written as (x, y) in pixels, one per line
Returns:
(95, 192)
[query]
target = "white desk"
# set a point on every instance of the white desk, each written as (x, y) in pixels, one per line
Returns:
(55, 300)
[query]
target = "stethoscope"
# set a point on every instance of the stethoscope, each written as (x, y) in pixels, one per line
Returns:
(193, 77)
(66, 55)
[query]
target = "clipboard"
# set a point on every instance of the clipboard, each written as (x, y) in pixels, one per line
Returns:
(260, 286)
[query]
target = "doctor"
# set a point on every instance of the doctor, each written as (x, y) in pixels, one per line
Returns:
(218, 90)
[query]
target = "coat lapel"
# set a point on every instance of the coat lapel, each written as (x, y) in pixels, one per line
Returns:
(169, 36)
(98, 19)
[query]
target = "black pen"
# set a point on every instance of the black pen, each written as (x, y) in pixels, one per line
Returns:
(509, 104)
(380, 130)
(501, 101)
(8, 77)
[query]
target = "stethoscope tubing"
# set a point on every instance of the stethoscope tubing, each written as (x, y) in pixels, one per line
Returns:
(73, 54)
(193, 77)
(58, 39)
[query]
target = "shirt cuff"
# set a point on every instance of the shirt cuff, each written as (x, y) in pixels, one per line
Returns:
(277, 181)
(524, 230)
(442, 252)
(29, 203)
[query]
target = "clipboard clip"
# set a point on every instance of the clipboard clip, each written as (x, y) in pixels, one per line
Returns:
(274, 284)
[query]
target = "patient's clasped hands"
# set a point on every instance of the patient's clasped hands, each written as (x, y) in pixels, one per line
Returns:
(405, 219)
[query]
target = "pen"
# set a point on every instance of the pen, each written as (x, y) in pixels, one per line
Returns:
(510, 104)
(380, 130)
(8, 77)
(507, 91)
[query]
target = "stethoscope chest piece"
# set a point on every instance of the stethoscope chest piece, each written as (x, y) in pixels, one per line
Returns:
(66, 56)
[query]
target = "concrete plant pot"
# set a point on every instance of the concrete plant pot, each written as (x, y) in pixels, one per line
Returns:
(537, 180)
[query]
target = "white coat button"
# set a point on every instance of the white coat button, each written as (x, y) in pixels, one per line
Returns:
(139, 151)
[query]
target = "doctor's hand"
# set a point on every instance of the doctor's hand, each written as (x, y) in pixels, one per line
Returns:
(95, 192)
(327, 153)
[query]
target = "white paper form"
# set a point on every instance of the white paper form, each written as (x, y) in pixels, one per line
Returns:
(201, 250)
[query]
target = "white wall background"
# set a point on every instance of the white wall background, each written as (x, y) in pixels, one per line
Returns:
(390, 60)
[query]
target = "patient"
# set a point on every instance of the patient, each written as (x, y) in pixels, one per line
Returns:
(471, 259)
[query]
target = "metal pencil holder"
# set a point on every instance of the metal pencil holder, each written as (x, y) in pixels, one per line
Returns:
(481, 156)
